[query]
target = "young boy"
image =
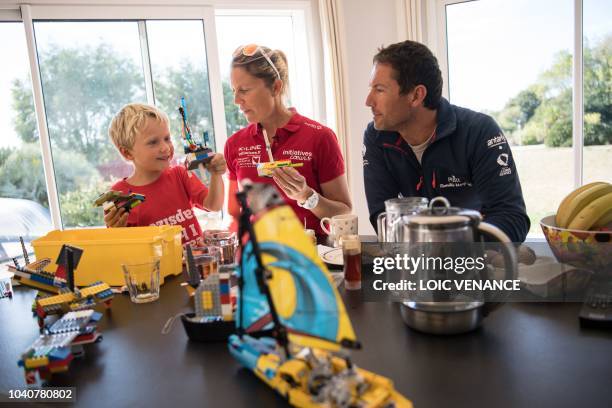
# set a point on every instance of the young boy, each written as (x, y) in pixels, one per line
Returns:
(141, 133)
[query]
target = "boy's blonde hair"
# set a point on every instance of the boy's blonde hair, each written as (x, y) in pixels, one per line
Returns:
(129, 121)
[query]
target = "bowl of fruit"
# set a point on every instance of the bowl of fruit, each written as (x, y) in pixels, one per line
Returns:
(580, 233)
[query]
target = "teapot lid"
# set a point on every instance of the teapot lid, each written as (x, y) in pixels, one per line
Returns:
(443, 216)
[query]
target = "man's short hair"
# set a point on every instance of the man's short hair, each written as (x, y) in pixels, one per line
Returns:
(413, 64)
(130, 120)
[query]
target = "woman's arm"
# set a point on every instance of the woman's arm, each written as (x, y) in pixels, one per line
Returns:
(333, 200)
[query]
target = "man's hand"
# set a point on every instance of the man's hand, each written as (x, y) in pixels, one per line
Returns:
(217, 165)
(116, 218)
(292, 183)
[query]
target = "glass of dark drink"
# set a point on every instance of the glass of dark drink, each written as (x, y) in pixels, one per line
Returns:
(351, 252)
(207, 260)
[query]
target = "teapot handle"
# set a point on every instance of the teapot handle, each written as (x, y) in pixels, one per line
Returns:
(381, 223)
(510, 259)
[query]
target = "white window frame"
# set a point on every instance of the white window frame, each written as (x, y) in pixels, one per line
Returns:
(437, 40)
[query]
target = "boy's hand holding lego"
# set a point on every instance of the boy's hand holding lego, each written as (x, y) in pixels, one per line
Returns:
(216, 166)
(292, 183)
(114, 218)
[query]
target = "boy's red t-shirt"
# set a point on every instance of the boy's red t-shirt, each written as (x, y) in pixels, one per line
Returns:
(301, 140)
(169, 201)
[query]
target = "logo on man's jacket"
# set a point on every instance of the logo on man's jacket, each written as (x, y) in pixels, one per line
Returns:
(502, 160)
(496, 141)
(454, 181)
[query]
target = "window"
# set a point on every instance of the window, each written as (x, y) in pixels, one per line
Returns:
(89, 70)
(24, 206)
(597, 59)
(179, 68)
(512, 59)
(94, 59)
(235, 28)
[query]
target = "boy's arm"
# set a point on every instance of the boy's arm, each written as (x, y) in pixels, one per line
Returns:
(215, 196)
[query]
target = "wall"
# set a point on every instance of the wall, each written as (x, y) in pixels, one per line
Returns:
(367, 26)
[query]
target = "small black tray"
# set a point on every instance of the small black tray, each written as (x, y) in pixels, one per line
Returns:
(207, 332)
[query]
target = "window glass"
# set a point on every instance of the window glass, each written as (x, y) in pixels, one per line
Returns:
(24, 205)
(597, 73)
(89, 70)
(179, 67)
(512, 59)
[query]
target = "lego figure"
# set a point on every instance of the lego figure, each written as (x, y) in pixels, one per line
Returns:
(197, 153)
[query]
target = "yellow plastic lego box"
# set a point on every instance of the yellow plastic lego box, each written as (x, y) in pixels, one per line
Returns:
(105, 249)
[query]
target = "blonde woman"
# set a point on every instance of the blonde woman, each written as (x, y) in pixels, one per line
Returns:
(316, 189)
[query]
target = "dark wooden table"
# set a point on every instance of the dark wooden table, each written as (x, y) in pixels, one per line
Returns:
(525, 355)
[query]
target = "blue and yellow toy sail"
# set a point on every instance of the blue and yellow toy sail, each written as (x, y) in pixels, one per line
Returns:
(302, 289)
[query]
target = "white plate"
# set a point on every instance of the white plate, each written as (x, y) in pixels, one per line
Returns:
(332, 256)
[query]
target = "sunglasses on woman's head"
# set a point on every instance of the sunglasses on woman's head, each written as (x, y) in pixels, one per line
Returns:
(252, 49)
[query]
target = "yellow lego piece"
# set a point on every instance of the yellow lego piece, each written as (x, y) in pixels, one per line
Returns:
(37, 285)
(92, 290)
(207, 301)
(36, 362)
(55, 300)
(58, 369)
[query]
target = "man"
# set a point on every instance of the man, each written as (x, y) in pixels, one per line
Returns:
(421, 145)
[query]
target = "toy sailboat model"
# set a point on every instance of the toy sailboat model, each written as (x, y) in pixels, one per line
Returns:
(291, 322)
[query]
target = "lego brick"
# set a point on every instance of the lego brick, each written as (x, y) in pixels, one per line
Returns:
(36, 362)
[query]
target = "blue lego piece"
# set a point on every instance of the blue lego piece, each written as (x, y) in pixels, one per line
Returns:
(59, 353)
(41, 279)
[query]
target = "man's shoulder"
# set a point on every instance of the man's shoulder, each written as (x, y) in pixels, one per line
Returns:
(468, 117)
(372, 136)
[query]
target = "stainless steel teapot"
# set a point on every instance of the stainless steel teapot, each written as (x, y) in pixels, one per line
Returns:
(446, 224)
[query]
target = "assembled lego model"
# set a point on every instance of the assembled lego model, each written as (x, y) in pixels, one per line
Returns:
(265, 169)
(290, 318)
(212, 299)
(117, 199)
(197, 153)
(62, 296)
(212, 295)
(53, 351)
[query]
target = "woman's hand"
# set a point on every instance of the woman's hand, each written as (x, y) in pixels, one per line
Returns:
(116, 218)
(292, 183)
(217, 165)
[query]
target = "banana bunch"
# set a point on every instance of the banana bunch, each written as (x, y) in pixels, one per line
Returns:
(587, 208)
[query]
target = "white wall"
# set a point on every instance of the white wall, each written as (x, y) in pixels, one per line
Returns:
(367, 25)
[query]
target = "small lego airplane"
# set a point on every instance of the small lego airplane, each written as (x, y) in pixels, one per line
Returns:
(64, 296)
(118, 200)
(53, 351)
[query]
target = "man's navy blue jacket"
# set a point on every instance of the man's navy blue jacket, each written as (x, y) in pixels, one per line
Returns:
(468, 161)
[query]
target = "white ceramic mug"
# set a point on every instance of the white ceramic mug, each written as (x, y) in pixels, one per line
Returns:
(339, 225)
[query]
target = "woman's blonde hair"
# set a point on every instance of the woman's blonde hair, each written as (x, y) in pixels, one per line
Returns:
(130, 120)
(258, 66)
